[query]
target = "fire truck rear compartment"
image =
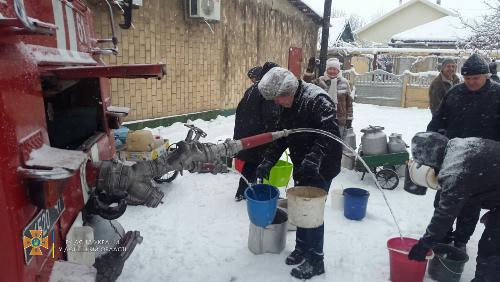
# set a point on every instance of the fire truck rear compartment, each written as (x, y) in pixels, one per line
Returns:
(74, 113)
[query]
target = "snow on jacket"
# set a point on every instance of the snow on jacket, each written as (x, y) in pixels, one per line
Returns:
(341, 96)
(469, 174)
(438, 89)
(254, 115)
(311, 108)
(464, 113)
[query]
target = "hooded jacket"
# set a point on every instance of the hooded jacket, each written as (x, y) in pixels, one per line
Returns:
(469, 174)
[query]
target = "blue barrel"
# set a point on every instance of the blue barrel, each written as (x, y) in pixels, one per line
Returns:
(355, 201)
(262, 202)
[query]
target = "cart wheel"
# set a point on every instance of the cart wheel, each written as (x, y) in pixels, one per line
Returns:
(387, 179)
(167, 178)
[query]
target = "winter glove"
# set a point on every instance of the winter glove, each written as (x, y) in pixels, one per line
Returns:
(309, 168)
(348, 123)
(419, 251)
(264, 169)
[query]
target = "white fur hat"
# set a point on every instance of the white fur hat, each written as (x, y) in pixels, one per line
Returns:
(333, 63)
(278, 82)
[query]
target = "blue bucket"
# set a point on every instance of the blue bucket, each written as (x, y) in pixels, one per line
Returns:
(355, 202)
(262, 202)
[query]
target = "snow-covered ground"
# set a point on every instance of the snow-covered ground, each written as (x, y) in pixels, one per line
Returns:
(200, 233)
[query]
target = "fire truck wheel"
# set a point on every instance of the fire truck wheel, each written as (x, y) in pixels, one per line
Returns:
(109, 266)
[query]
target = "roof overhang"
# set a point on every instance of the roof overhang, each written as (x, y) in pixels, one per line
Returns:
(306, 10)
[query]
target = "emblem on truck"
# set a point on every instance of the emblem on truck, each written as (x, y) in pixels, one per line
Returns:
(36, 242)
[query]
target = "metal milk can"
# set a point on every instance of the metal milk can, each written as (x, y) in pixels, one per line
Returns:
(374, 140)
(396, 143)
(349, 138)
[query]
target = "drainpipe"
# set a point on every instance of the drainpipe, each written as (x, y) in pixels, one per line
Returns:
(324, 36)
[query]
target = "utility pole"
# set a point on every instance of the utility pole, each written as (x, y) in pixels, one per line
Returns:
(325, 32)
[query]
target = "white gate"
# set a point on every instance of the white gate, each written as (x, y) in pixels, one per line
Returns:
(379, 87)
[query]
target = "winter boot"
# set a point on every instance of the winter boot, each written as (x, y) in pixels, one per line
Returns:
(309, 269)
(239, 198)
(296, 257)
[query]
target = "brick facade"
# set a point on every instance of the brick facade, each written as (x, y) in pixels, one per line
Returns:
(205, 70)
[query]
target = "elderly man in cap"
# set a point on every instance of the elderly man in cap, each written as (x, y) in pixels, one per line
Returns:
(446, 79)
(470, 109)
(316, 158)
(468, 173)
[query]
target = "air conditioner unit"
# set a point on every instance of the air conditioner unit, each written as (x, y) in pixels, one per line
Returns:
(205, 9)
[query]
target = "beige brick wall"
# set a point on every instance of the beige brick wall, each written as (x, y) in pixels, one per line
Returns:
(205, 70)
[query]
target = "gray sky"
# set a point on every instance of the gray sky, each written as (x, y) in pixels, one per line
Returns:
(369, 9)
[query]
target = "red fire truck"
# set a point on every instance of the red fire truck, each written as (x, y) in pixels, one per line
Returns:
(56, 116)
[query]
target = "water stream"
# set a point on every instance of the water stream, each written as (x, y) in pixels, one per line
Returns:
(328, 134)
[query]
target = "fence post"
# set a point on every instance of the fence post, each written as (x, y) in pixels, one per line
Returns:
(404, 91)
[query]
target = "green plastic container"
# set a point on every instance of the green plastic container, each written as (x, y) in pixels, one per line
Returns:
(280, 173)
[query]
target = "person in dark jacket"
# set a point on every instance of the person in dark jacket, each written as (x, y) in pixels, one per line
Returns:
(470, 109)
(316, 158)
(493, 71)
(254, 115)
(446, 79)
(468, 173)
(254, 73)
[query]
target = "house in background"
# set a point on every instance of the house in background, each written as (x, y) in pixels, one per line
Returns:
(407, 16)
(340, 32)
(444, 33)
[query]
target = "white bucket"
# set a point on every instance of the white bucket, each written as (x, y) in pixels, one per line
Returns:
(337, 198)
(306, 206)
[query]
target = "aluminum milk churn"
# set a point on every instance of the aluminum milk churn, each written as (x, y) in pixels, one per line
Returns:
(374, 140)
(396, 143)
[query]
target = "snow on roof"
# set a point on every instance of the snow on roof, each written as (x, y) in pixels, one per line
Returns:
(315, 6)
(306, 7)
(404, 6)
(444, 29)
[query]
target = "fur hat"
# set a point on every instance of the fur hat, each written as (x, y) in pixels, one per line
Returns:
(428, 148)
(333, 63)
(474, 65)
(278, 82)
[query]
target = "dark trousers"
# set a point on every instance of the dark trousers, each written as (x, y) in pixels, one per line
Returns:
(310, 240)
(488, 255)
(466, 222)
(249, 173)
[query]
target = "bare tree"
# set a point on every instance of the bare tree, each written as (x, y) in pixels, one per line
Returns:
(486, 32)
